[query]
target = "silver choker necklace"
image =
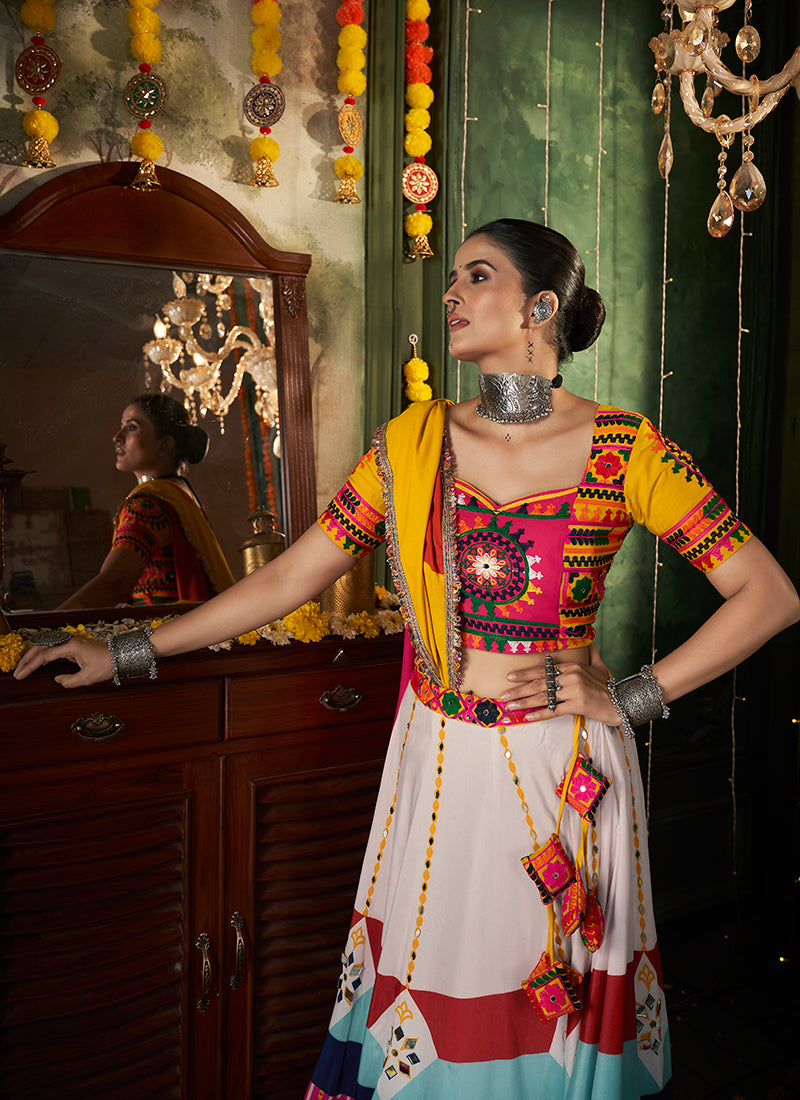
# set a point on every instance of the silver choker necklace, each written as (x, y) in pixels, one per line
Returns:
(515, 398)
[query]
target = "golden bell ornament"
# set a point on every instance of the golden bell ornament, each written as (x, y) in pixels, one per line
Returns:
(420, 249)
(38, 155)
(146, 178)
(263, 175)
(347, 191)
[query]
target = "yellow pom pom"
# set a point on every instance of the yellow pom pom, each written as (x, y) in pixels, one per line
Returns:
(352, 82)
(418, 119)
(146, 48)
(11, 649)
(419, 95)
(352, 35)
(265, 13)
(416, 370)
(417, 9)
(348, 166)
(418, 224)
(266, 38)
(266, 63)
(40, 123)
(264, 147)
(38, 15)
(146, 145)
(351, 58)
(419, 391)
(143, 21)
(417, 143)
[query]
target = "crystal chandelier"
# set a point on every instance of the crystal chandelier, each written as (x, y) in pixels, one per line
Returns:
(184, 335)
(696, 49)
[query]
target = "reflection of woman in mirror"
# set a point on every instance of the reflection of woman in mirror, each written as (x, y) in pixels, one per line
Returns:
(163, 548)
(502, 516)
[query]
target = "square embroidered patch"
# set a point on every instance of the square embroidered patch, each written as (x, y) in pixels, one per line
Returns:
(553, 989)
(586, 788)
(573, 908)
(594, 922)
(550, 868)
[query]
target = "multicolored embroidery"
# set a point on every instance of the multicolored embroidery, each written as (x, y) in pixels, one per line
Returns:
(144, 525)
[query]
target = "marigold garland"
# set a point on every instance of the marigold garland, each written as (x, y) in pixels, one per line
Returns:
(261, 108)
(352, 82)
(307, 624)
(37, 70)
(419, 183)
(147, 49)
(416, 370)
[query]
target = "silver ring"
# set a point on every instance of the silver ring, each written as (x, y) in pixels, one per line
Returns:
(51, 638)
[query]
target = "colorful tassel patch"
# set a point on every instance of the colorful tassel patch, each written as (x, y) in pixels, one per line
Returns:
(549, 868)
(586, 788)
(594, 923)
(573, 909)
(553, 989)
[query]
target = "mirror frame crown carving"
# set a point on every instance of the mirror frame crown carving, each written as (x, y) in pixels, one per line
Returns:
(92, 213)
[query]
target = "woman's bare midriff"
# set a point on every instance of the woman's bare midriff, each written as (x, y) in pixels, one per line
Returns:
(485, 674)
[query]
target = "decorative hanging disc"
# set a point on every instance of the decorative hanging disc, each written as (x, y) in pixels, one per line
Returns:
(351, 126)
(145, 95)
(420, 183)
(37, 69)
(264, 104)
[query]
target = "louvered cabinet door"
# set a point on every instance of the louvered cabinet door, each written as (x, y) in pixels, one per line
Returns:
(97, 977)
(296, 827)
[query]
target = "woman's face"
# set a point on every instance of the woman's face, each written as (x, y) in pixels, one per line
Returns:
(137, 449)
(488, 318)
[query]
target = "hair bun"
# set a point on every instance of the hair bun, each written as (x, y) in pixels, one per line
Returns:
(588, 320)
(193, 443)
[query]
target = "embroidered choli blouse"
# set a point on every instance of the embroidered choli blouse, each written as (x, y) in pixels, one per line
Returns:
(531, 573)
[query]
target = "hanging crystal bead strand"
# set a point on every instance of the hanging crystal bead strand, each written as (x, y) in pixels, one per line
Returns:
(748, 187)
(721, 214)
(660, 101)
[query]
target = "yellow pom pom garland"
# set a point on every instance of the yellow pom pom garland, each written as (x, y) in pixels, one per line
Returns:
(37, 69)
(420, 183)
(145, 93)
(264, 104)
(352, 82)
(416, 370)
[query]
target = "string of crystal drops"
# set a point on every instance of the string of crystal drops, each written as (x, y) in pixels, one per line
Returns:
(696, 49)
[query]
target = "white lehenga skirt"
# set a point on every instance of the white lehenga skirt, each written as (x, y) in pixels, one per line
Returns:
(448, 924)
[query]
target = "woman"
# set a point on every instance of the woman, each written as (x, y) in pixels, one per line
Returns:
(502, 940)
(163, 549)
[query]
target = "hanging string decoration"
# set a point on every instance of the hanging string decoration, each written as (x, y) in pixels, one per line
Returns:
(145, 93)
(265, 103)
(351, 60)
(420, 182)
(416, 372)
(37, 70)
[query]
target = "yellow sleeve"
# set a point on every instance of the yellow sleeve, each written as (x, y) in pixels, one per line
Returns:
(666, 493)
(355, 518)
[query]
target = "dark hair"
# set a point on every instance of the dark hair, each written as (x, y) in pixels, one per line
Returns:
(169, 418)
(546, 260)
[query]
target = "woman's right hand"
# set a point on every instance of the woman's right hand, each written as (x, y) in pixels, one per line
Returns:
(92, 658)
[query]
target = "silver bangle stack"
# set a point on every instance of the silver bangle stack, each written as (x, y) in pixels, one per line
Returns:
(551, 674)
(132, 655)
(637, 699)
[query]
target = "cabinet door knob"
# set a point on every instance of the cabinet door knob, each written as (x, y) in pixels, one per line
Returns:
(97, 727)
(237, 923)
(341, 698)
(203, 944)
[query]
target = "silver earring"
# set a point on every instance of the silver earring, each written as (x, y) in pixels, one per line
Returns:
(542, 311)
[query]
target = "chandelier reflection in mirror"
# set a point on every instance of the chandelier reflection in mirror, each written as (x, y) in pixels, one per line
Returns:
(191, 351)
(696, 49)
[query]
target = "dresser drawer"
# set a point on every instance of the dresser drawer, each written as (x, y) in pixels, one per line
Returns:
(87, 725)
(328, 697)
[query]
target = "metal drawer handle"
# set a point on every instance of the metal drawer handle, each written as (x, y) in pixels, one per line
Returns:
(341, 698)
(203, 943)
(237, 922)
(97, 727)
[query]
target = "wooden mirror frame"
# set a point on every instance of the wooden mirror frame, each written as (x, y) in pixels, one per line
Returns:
(93, 213)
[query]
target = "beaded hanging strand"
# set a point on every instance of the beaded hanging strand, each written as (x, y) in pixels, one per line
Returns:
(351, 60)
(265, 103)
(37, 69)
(145, 93)
(420, 183)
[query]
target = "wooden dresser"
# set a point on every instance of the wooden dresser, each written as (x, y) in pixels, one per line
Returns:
(178, 866)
